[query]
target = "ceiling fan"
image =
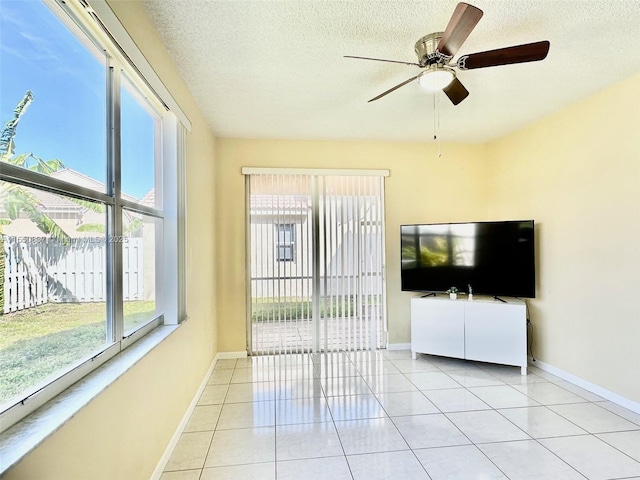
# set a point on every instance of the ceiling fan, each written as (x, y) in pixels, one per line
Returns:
(436, 50)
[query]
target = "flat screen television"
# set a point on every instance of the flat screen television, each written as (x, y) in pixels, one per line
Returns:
(495, 258)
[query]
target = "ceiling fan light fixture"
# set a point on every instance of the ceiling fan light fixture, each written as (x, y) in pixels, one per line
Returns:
(436, 77)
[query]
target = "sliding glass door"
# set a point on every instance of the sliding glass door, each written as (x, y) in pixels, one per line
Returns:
(280, 221)
(316, 260)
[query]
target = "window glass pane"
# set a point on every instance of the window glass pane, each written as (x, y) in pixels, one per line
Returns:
(140, 139)
(140, 256)
(285, 241)
(53, 274)
(52, 96)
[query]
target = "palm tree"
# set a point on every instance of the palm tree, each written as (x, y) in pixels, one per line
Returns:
(16, 199)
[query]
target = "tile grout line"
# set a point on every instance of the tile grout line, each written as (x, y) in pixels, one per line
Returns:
(495, 410)
(350, 381)
(215, 427)
(541, 444)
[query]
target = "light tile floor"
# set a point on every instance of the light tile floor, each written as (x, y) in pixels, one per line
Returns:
(382, 415)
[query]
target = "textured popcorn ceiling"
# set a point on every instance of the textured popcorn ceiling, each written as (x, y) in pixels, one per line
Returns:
(275, 69)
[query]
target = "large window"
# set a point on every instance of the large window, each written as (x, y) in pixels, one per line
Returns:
(88, 202)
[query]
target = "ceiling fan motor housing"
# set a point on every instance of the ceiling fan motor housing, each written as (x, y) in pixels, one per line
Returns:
(427, 50)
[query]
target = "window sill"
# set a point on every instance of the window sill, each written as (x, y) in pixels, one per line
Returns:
(25, 436)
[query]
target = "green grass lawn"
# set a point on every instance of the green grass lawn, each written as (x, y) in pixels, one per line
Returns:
(265, 310)
(45, 340)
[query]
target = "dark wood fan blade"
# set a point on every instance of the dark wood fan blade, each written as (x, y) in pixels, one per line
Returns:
(382, 60)
(394, 88)
(456, 91)
(530, 52)
(464, 19)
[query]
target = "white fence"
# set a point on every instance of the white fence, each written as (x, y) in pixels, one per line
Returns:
(40, 270)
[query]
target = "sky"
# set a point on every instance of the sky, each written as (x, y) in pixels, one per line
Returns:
(66, 120)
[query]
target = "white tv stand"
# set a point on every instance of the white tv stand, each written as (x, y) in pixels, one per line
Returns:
(482, 329)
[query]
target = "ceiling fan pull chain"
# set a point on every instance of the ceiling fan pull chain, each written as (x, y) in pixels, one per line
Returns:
(436, 124)
(438, 113)
(435, 131)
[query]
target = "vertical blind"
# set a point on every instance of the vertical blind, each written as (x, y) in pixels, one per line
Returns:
(316, 256)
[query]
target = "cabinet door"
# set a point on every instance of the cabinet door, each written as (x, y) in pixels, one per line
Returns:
(437, 327)
(496, 333)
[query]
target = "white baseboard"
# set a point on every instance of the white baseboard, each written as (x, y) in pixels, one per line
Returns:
(398, 346)
(592, 387)
(157, 473)
(225, 355)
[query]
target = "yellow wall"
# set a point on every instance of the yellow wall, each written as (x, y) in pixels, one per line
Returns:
(421, 188)
(577, 173)
(123, 433)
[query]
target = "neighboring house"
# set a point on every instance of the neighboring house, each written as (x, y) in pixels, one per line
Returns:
(67, 214)
(281, 258)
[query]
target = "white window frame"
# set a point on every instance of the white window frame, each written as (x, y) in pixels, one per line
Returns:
(285, 250)
(94, 20)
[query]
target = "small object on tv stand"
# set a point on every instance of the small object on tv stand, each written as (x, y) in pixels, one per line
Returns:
(453, 292)
(470, 294)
